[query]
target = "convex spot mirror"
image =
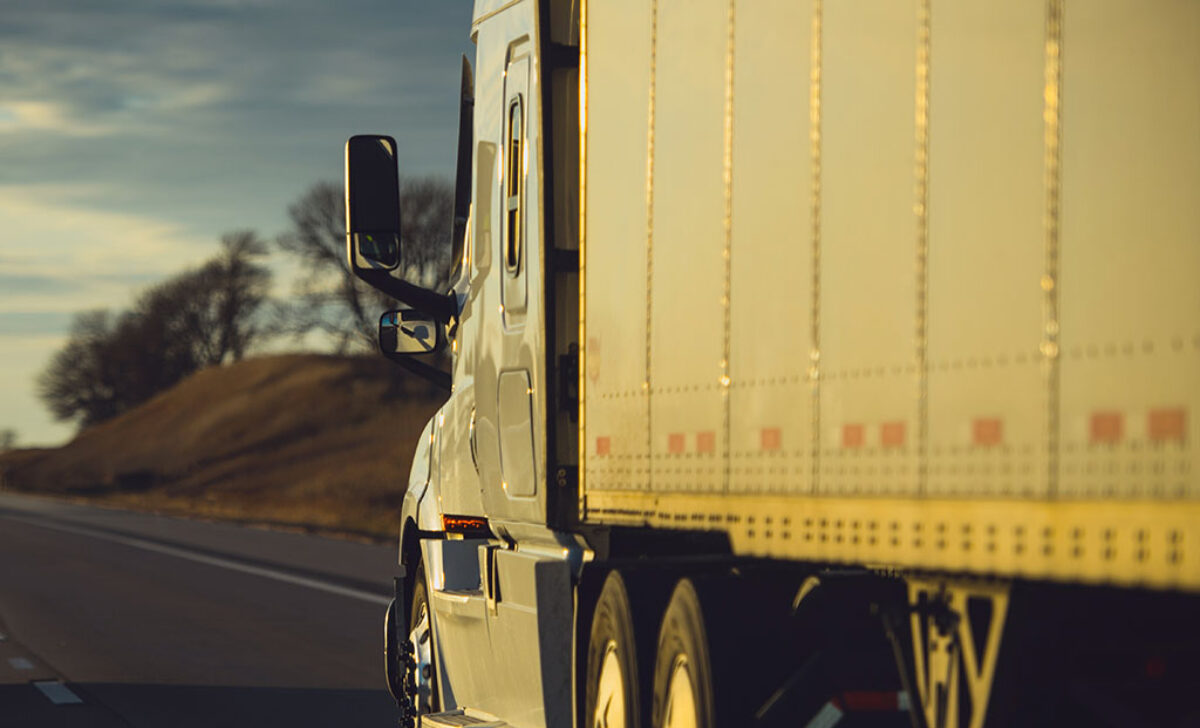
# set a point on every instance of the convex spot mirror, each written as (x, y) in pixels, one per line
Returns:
(372, 203)
(406, 331)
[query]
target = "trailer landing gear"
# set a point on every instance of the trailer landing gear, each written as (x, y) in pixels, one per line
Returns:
(956, 630)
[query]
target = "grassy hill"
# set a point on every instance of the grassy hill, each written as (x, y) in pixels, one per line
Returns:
(312, 441)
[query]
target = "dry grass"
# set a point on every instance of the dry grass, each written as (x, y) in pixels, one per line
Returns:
(309, 441)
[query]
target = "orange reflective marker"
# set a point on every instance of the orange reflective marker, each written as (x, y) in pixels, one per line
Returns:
(987, 431)
(853, 435)
(892, 434)
(772, 438)
(1107, 427)
(675, 443)
(1167, 424)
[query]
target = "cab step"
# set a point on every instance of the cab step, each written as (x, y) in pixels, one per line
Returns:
(459, 718)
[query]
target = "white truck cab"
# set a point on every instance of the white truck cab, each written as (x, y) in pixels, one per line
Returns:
(479, 518)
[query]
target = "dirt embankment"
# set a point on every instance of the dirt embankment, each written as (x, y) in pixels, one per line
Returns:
(311, 441)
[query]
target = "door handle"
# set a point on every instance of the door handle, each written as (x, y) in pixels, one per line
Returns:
(472, 433)
(491, 579)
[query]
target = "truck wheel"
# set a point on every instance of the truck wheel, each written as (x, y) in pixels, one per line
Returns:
(420, 634)
(683, 684)
(613, 699)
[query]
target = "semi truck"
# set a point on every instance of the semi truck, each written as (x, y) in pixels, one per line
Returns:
(813, 363)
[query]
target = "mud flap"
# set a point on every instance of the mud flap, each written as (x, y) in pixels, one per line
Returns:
(397, 654)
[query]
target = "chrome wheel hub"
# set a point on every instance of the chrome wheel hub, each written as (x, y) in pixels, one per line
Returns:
(422, 644)
(681, 697)
(610, 691)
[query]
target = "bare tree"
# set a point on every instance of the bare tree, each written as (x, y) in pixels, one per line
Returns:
(79, 381)
(426, 219)
(210, 314)
(329, 298)
(197, 318)
(233, 287)
(8, 439)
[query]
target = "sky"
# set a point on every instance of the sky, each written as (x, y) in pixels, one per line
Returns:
(133, 133)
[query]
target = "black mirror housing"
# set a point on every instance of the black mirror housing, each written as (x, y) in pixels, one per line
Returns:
(372, 203)
(373, 224)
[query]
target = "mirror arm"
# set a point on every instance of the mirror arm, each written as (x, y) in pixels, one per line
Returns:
(442, 307)
(439, 378)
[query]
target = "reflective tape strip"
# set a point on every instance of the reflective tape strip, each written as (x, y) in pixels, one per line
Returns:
(870, 701)
(826, 717)
(58, 693)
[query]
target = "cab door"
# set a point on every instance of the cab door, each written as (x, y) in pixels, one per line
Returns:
(525, 574)
(510, 380)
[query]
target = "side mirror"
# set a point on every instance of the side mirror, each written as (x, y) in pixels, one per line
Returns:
(372, 203)
(406, 331)
(373, 224)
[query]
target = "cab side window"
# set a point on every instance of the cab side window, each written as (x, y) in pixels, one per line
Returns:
(514, 185)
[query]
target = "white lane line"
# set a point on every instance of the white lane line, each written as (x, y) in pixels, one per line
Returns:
(58, 693)
(283, 576)
(20, 663)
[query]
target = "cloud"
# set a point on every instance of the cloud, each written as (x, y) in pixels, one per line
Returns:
(64, 255)
(34, 323)
(44, 116)
(218, 114)
(31, 283)
(23, 357)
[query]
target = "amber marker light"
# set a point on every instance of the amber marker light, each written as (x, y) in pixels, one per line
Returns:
(463, 524)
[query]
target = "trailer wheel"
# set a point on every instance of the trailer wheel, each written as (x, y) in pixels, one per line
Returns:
(420, 634)
(613, 697)
(683, 676)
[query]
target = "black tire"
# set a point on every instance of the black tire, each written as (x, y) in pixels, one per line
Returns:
(613, 631)
(420, 601)
(683, 643)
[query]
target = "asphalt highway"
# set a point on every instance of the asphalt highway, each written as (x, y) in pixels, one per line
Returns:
(113, 619)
